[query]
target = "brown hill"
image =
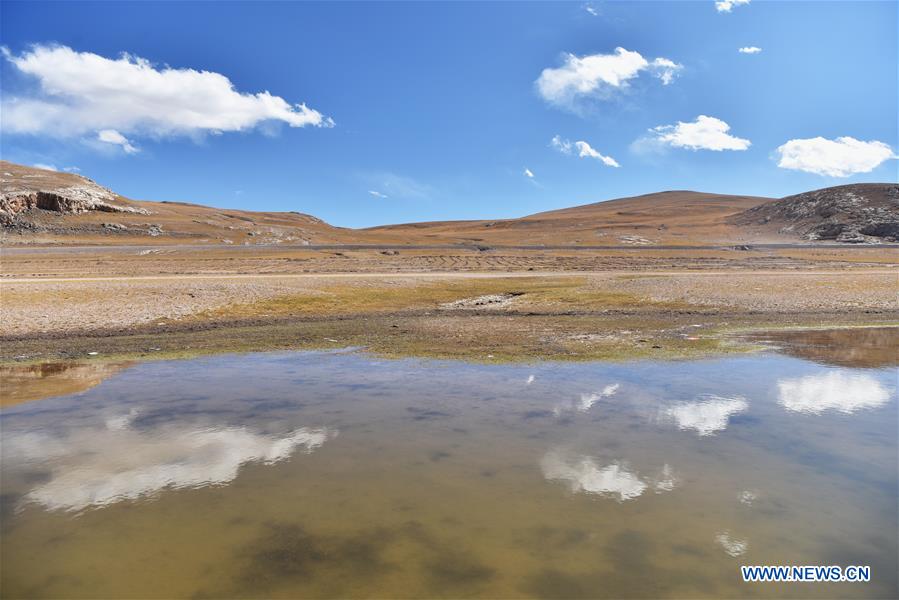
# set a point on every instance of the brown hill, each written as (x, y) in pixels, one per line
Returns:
(856, 213)
(40, 206)
(663, 218)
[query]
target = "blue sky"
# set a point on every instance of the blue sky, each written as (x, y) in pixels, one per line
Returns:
(442, 107)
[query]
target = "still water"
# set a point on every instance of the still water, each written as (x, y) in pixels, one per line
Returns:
(337, 474)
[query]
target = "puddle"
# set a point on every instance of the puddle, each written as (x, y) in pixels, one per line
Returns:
(342, 475)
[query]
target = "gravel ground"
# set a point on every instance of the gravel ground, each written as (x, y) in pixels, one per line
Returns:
(36, 307)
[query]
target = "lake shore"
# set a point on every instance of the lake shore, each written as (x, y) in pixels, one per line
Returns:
(61, 305)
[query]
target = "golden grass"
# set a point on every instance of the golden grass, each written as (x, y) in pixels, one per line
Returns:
(537, 293)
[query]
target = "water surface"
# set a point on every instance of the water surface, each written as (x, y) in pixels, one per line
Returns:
(338, 474)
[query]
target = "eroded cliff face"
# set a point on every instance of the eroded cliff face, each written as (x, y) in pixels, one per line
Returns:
(25, 190)
(857, 213)
(74, 200)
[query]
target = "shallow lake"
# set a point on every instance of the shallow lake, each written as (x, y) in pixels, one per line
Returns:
(335, 474)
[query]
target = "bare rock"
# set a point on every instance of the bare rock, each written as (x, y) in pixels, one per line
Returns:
(865, 213)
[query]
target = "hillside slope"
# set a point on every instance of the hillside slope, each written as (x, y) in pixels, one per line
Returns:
(856, 213)
(47, 207)
(663, 218)
(40, 205)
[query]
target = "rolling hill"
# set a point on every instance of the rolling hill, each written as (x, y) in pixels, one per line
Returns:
(39, 206)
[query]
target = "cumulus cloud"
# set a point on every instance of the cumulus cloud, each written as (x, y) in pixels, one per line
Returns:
(665, 69)
(728, 5)
(707, 416)
(591, 9)
(111, 136)
(834, 390)
(528, 173)
(377, 194)
(705, 133)
(584, 150)
(749, 50)
(598, 75)
(841, 157)
(84, 93)
(616, 480)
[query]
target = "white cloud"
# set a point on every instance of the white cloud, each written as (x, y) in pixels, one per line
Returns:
(583, 148)
(749, 50)
(591, 9)
(707, 416)
(834, 390)
(705, 133)
(48, 167)
(111, 136)
(728, 5)
(585, 151)
(598, 75)
(563, 146)
(399, 186)
(377, 194)
(528, 173)
(84, 93)
(841, 157)
(665, 69)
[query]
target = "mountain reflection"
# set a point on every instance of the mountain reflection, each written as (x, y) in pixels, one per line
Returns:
(99, 465)
(832, 390)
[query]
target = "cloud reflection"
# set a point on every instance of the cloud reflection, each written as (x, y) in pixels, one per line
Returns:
(833, 390)
(707, 416)
(616, 480)
(732, 546)
(586, 401)
(98, 466)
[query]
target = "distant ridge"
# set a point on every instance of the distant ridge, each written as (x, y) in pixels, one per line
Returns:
(38, 206)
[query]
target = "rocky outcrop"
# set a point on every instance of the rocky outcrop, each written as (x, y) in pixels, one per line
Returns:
(72, 200)
(856, 214)
(25, 191)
